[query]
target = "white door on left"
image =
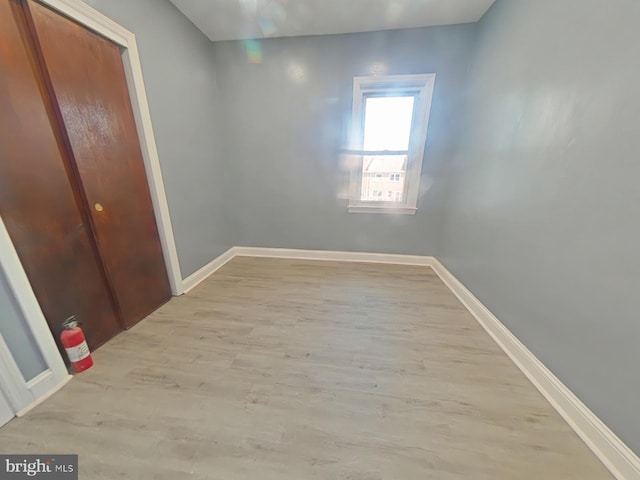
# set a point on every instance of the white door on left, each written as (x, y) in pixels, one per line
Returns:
(6, 412)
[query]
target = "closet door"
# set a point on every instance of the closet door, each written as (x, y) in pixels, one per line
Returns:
(38, 203)
(87, 80)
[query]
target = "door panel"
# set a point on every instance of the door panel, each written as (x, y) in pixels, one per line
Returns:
(88, 81)
(38, 203)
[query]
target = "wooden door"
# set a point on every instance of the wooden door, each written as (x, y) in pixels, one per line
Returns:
(38, 203)
(88, 81)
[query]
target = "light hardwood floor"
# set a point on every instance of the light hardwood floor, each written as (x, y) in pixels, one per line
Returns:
(289, 369)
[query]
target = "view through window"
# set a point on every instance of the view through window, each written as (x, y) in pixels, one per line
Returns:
(387, 131)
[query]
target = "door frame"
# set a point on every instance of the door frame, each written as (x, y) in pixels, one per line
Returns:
(93, 20)
(24, 395)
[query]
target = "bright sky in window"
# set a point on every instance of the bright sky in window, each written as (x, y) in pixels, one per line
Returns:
(387, 124)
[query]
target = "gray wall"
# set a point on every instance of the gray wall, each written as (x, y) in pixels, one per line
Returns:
(543, 214)
(181, 89)
(17, 334)
(283, 136)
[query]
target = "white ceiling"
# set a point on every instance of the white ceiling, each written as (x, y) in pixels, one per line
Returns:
(242, 19)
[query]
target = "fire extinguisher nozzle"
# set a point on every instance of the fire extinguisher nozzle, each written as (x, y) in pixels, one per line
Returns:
(70, 322)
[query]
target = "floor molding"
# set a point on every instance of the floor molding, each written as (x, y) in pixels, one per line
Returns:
(334, 256)
(201, 275)
(623, 463)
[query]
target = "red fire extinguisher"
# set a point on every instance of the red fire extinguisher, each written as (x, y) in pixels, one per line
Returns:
(75, 344)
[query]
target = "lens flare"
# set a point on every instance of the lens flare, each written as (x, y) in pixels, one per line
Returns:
(297, 73)
(254, 51)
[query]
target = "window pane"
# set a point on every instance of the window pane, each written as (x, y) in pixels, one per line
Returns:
(383, 173)
(387, 123)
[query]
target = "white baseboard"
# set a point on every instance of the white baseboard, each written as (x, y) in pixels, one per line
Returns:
(34, 385)
(199, 276)
(334, 256)
(623, 463)
(612, 452)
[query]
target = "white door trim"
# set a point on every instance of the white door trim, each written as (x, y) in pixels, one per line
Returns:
(12, 382)
(99, 23)
(18, 391)
(6, 410)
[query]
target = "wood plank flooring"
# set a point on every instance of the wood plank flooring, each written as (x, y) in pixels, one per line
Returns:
(290, 369)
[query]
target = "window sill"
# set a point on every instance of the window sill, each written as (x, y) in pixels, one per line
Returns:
(382, 209)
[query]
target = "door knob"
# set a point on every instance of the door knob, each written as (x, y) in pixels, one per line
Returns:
(98, 207)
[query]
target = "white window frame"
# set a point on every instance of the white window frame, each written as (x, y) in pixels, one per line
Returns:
(421, 87)
(394, 176)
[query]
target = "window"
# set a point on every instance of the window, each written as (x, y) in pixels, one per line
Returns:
(388, 136)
